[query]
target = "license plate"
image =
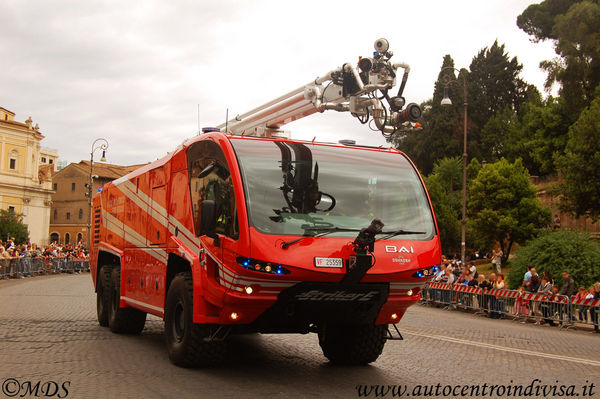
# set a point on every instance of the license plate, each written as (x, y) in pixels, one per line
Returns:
(329, 262)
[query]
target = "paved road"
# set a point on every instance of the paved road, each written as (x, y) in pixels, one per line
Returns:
(48, 332)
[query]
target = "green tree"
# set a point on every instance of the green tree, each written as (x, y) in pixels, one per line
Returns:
(580, 166)
(556, 252)
(574, 28)
(495, 90)
(538, 136)
(446, 214)
(503, 206)
(442, 127)
(449, 171)
(11, 225)
(493, 86)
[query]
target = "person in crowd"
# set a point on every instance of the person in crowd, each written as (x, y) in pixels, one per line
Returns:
(546, 288)
(456, 269)
(594, 293)
(533, 284)
(484, 297)
(548, 277)
(532, 287)
(440, 274)
(465, 297)
(567, 289)
(581, 295)
(473, 270)
(449, 279)
(527, 275)
(521, 307)
(492, 298)
(497, 259)
(3, 253)
(473, 281)
(500, 304)
(463, 277)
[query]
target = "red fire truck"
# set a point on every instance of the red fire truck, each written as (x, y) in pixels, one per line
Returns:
(242, 229)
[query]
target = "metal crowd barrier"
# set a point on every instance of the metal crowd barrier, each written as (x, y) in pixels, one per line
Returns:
(29, 267)
(502, 303)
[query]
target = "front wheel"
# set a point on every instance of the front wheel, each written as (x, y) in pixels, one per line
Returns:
(185, 339)
(352, 345)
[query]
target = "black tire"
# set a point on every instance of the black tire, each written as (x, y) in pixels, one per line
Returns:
(123, 320)
(185, 339)
(352, 345)
(103, 290)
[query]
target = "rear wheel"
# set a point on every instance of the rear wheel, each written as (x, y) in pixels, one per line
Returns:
(103, 291)
(185, 339)
(352, 345)
(123, 320)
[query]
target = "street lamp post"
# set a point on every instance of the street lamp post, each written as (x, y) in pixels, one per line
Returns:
(446, 101)
(103, 145)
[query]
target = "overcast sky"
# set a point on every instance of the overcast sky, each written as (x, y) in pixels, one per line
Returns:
(134, 72)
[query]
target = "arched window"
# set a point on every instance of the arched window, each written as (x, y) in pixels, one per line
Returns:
(13, 160)
(79, 237)
(54, 237)
(67, 238)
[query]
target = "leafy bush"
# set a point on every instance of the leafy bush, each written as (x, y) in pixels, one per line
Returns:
(555, 252)
(11, 225)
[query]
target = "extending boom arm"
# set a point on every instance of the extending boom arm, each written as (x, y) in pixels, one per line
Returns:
(349, 88)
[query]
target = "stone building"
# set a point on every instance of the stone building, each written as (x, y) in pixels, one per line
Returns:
(70, 208)
(562, 219)
(26, 170)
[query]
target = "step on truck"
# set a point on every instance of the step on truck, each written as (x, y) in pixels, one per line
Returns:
(242, 229)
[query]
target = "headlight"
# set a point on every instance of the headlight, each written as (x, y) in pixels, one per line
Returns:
(427, 272)
(262, 266)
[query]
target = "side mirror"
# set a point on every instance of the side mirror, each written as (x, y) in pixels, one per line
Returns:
(208, 221)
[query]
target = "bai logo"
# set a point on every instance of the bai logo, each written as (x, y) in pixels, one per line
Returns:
(393, 249)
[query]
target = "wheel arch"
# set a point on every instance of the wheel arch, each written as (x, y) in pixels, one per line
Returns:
(175, 265)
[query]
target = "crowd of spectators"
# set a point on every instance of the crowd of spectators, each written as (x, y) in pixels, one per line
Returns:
(10, 250)
(452, 272)
(27, 260)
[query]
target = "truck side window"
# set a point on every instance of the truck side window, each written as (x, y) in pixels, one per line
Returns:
(215, 185)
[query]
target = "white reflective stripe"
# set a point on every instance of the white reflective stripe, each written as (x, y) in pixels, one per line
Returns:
(154, 209)
(129, 186)
(160, 214)
(190, 237)
(190, 244)
(132, 236)
(144, 304)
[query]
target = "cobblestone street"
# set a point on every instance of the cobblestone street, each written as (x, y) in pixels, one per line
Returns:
(49, 332)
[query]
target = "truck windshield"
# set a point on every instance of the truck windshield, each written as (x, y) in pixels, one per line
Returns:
(296, 188)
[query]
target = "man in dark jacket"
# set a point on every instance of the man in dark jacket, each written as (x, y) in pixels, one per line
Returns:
(567, 289)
